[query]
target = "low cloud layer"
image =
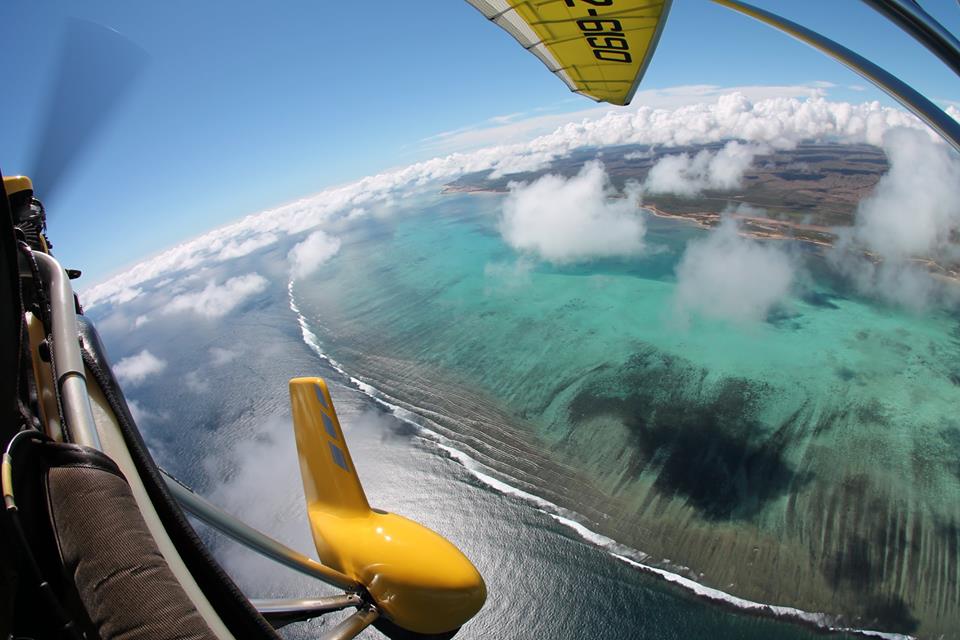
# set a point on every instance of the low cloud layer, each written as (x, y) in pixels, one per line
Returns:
(900, 283)
(126, 294)
(727, 276)
(565, 220)
(688, 176)
(196, 383)
(217, 300)
(780, 122)
(137, 368)
(507, 276)
(306, 257)
(239, 247)
(258, 479)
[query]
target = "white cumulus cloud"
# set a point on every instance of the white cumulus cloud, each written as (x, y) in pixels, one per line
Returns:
(572, 220)
(731, 277)
(216, 300)
(306, 257)
(767, 117)
(195, 383)
(916, 205)
(507, 276)
(900, 283)
(683, 175)
(220, 356)
(142, 415)
(637, 155)
(913, 213)
(137, 368)
(127, 294)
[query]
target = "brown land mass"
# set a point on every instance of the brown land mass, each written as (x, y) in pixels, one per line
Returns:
(806, 194)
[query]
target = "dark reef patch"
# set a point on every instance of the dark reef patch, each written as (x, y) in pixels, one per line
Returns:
(722, 475)
(873, 412)
(951, 438)
(821, 299)
(845, 373)
(891, 614)
(703, 440)
(783, 319)
(851, 566)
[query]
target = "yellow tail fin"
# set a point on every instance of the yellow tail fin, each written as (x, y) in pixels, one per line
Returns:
(418, 580)
(330, 480)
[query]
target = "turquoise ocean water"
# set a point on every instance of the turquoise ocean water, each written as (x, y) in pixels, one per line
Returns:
(812, 460)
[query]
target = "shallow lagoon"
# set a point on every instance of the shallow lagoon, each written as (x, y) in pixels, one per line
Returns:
(811, 461)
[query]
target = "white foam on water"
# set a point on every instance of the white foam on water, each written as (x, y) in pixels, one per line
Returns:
(819, 619)
(312, 341)
(633, 557)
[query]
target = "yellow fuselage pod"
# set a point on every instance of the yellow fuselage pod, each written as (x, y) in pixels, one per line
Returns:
(418, 579)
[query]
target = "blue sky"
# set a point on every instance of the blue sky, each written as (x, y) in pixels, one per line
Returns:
(243, 106)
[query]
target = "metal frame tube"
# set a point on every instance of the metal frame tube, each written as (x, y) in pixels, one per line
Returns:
(65, 351)
(283, 612)
(352, 626)
(947, 127)
(923, 27)
(253, 539)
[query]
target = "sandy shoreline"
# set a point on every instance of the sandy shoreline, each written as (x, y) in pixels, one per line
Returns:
(753, 226)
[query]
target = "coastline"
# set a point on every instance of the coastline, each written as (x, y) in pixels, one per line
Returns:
(572, 519)
(754, 226)
(819, 237)
(467, 352)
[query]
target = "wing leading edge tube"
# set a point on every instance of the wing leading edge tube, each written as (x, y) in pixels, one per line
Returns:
(931, 114)
(599, 48)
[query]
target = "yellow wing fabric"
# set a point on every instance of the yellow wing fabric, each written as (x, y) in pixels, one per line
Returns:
(599, 48)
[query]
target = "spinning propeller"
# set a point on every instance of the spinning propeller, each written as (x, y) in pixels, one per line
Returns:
(95, 69)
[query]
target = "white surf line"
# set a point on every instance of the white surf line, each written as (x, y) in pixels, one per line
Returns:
(623, 553)
(780, 612)
(634, 558)
(312, 341)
